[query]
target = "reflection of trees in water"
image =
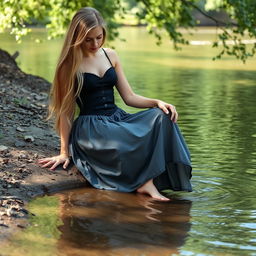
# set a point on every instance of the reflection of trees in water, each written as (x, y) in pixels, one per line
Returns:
(98, 221)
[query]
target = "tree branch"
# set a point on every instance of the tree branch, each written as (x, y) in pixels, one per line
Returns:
(218, 22)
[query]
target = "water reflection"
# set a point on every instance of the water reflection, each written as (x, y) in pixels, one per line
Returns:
(102, 222)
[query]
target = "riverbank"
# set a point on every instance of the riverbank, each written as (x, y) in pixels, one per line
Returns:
(25, 136)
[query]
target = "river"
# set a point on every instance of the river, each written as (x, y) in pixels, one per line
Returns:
(216, 105)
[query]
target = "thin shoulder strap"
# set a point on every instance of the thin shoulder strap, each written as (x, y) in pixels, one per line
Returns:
(107, 57)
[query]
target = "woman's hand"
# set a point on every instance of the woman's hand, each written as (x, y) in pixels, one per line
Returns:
(166, 107)
(54, 161)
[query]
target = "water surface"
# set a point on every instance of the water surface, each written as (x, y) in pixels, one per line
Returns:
(216, 105)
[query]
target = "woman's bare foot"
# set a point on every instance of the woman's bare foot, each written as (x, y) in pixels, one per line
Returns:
(150, 189)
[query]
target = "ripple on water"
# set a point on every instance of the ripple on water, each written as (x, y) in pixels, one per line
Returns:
(232, 245)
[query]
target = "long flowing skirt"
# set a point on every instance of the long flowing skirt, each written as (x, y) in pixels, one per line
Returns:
(123, 151)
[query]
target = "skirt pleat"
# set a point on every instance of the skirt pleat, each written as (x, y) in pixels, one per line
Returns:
(123, 151)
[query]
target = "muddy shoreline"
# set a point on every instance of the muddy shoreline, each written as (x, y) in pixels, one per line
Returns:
(25, 137)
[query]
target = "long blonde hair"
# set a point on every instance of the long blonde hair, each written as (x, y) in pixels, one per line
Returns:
(68, 80)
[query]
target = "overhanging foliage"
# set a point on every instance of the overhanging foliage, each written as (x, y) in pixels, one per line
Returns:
(169, 15)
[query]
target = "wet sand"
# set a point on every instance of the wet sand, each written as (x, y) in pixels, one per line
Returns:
(25, 136)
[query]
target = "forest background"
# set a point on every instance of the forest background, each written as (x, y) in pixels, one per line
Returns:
(235, 19)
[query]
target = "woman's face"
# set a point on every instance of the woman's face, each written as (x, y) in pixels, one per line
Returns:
(93, 40)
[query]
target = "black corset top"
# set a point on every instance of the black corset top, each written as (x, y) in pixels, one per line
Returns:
(97, 93)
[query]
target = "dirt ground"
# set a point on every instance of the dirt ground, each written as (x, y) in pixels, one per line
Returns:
(25, 136)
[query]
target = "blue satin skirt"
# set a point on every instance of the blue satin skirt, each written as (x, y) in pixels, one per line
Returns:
(123, 151)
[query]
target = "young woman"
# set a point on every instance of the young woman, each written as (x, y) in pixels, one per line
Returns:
(115, 150)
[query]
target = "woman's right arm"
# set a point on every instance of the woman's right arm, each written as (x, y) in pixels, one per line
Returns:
(63, 157)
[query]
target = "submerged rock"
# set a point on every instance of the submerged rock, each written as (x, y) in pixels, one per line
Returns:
(18, 128)
(29, 138)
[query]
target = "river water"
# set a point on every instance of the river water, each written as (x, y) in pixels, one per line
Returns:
(216, 105)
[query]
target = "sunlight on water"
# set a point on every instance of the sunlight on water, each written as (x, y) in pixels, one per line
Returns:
(216, 105)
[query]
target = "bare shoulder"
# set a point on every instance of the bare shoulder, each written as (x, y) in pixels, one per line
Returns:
(112, 55)
(110, 51)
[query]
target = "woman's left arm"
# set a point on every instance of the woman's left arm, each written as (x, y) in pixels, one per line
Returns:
(134, 100)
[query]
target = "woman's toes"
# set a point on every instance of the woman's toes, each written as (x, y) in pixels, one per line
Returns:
(161, 197)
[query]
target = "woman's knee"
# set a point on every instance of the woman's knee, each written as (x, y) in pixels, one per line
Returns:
(159, 113)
